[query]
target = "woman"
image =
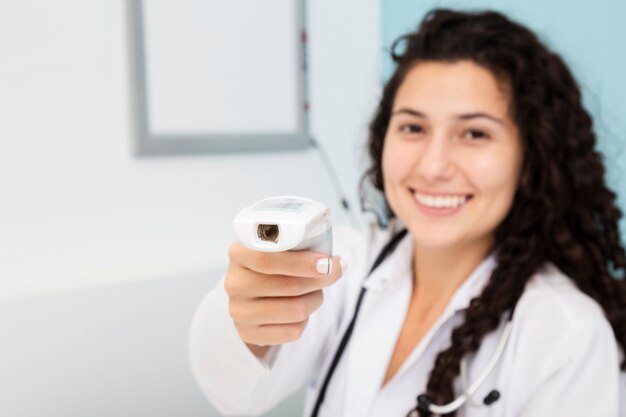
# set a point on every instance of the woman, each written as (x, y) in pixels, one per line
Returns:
(509, 273)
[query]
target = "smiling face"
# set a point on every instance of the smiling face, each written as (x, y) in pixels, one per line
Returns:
(452, 154)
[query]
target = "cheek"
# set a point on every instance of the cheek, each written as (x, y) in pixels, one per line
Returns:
(496, 176)
(395, 166)
(392, 174)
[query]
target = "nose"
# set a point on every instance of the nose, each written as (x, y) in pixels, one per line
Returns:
(434, 163)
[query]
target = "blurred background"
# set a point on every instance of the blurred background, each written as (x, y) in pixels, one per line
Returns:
(105, 254)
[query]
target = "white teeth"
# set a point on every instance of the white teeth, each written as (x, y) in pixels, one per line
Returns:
(448, 201)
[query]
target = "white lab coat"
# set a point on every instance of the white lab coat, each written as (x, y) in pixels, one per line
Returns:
(561, 359)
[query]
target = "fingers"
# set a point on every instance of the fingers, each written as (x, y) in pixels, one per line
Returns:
(292, 263)
(250, 284)
(275, 310)
(272, 334)
(272, 295)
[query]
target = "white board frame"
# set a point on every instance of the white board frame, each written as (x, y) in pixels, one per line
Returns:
(149, 143)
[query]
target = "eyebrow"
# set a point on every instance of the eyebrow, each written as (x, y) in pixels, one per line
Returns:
(465, 116)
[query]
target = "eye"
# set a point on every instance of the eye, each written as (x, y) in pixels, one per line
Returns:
(475, 134)
(411, 128)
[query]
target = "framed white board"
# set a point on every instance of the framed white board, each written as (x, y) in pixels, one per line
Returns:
(219, 76)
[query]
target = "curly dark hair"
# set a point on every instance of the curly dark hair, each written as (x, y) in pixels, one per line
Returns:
(563, 212)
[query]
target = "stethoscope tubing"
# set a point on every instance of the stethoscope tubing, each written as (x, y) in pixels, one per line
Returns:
(422, 401)
(389, 247)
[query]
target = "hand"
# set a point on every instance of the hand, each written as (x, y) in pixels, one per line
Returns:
(272, 294)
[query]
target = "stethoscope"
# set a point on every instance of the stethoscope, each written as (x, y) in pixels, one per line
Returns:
(423, 402)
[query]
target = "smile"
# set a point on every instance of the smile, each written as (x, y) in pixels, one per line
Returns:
(441, 203)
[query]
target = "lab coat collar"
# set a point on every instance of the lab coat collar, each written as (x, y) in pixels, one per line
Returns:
(399, 266)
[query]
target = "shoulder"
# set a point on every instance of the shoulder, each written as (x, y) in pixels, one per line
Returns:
(359, 245)
(562, 346)
(559, 324)
(553, 298)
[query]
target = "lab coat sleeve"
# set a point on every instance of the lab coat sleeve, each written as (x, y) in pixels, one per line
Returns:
(581, 376)
(238, 383)
(223, 366)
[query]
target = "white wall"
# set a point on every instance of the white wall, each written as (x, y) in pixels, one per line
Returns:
(78, 209)
(104, 256)
(106, 351)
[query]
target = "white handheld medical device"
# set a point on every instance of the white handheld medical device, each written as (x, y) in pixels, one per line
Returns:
(283, 223)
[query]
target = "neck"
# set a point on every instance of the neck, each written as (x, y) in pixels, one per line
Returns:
(438, 272)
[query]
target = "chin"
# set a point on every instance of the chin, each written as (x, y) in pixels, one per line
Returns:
(426, 237)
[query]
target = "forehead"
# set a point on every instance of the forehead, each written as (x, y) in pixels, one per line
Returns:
(458, 87)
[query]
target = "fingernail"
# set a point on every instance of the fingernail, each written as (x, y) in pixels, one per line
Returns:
(324, 266)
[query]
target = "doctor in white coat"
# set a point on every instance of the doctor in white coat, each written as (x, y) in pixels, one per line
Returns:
(495, 290)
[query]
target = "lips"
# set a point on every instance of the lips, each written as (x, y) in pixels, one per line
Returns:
(441, 200)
